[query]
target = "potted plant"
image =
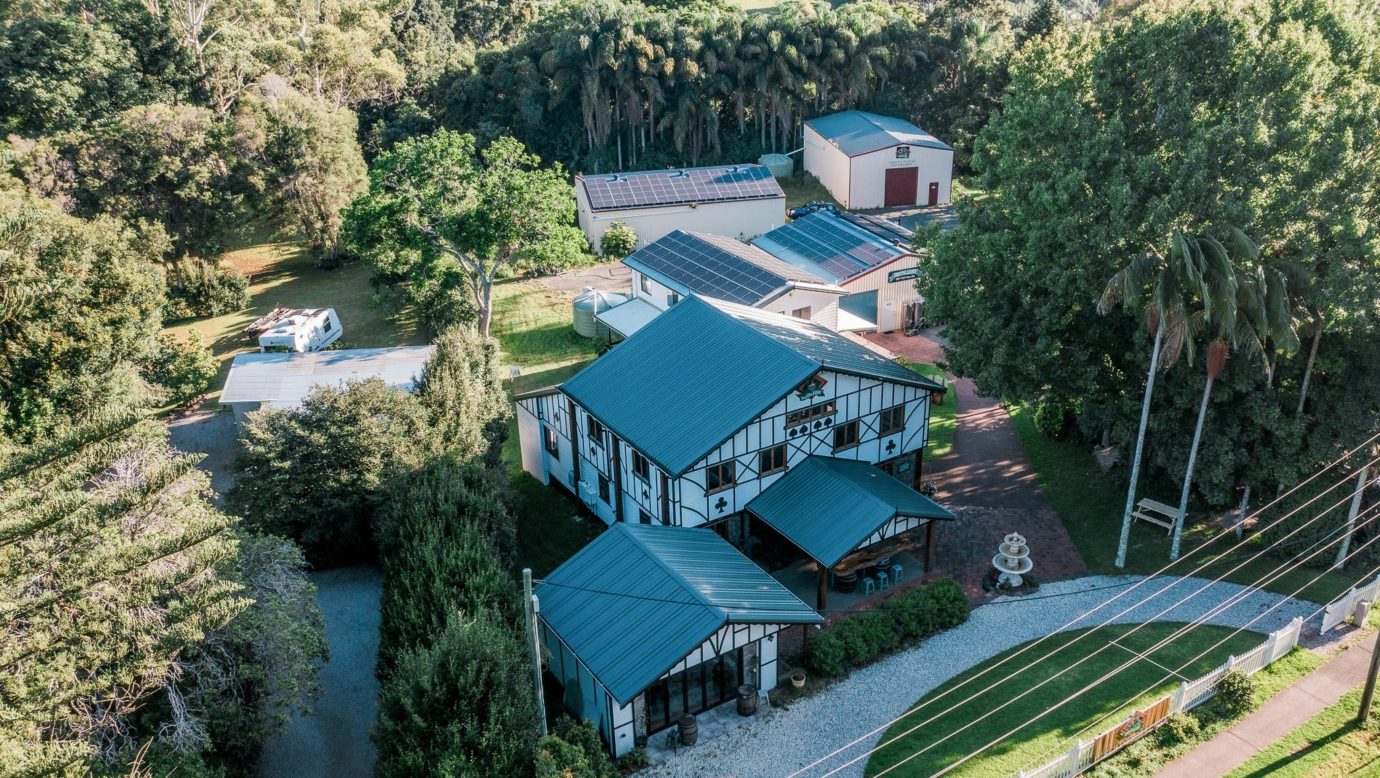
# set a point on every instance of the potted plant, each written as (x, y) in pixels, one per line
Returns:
(798, 678)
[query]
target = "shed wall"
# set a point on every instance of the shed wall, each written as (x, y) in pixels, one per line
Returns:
(826, 162)
(868, 174)
(744, 219)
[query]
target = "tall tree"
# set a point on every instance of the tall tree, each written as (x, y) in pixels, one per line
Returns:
(439, 210)
(109, 570)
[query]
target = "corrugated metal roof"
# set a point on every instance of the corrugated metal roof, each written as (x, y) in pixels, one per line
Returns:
(885, 229)
(640, 597)
(829, 246)
(284, 379)
(695, 375)
(718, 266)
(657, 188)
(859, 132)
(827, 506)
(629, 317)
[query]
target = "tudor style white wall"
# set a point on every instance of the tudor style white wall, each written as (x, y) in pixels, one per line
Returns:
(685, 500)
(619, 723)
(744, 219)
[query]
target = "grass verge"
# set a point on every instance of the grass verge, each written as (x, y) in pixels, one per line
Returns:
(1038, 739)
(1330, 744)
(943, 417)
(1090, 504)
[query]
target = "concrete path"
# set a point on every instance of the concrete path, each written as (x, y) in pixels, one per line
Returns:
(1281, 715)
(334, 740)
(783, 740)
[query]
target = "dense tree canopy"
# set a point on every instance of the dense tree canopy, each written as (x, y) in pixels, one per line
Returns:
(1110, 138)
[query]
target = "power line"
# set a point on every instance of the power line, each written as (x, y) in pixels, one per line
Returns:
(1031, 646)
(1114, 672)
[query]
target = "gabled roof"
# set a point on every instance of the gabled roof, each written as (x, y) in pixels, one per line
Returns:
(720, 267)
(861, 132)
(700, 371)
(286, 378)
(829, 246)
(827, 506)
(640, 597)
(658, 188)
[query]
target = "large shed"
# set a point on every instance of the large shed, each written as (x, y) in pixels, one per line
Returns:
(283, 380)
(740, 201)
(867, 160)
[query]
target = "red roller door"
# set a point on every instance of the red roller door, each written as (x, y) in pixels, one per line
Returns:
(902, 186)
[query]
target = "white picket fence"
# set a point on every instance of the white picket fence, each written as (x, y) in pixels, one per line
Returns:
(1342, 608)
(1190, 694)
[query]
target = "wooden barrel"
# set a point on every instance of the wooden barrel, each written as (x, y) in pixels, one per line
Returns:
(689, 729)
(846, 582)
(747, 700)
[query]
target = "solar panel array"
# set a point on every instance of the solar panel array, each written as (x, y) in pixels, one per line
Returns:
(833, 244)
(653, 188)
(707, 269)
(885, 229)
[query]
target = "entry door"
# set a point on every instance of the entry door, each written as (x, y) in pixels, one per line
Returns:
(902, 185)
(934, 193)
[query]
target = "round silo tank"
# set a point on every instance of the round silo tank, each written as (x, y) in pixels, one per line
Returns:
(591, 302)
(780, 165)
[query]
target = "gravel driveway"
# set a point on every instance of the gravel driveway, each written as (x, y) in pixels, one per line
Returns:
(786, 740)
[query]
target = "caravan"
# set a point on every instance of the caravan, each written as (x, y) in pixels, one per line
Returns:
(297, 329)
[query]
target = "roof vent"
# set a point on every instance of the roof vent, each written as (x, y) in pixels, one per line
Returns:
(677, 174)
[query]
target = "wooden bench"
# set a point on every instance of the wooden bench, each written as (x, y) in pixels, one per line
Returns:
(1156, 513)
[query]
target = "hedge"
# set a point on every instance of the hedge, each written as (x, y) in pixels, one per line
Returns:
(896, 623)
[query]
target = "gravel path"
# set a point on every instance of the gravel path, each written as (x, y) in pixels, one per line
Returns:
(785, 740)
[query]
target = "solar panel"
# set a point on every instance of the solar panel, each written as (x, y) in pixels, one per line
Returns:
(833, 244)
(652, 188)
(885, 229)
(708, 269)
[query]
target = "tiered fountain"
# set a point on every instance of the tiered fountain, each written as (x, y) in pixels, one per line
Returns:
(1012, 561)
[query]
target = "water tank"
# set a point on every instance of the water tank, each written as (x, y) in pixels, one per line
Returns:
(780, 165)
(590, 302)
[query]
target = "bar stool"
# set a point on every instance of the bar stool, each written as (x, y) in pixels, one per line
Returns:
(896, 571)
(867, 585)
(882, 580)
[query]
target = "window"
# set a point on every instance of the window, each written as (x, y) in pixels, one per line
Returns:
(644, 517)
(720, 476)
(809, 414)
(801, 313)
(552, 444)
(644, 283)
(772, 460)
(892, 420)
(672, 299)
(604, 490)
(595, 429)
(640, 467)
(846, 435)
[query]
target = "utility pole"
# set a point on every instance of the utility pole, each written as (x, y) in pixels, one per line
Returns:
(532, 607)
(1369, 694)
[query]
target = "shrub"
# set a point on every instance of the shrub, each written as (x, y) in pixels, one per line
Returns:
(901, 620)
(584, 736)
(1235, 694)
(442, 305)
(185, 368)
(633, 761)
(619, 240)
(558, 759)
(1178, 728)
(565, 249)
(464, 706)
(199, 287)
(1051, 418)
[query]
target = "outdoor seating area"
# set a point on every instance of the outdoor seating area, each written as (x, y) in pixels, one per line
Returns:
(849, 590)
(709, 724)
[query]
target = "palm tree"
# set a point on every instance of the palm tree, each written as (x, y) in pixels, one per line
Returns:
(1251, 310)
(1160, 286)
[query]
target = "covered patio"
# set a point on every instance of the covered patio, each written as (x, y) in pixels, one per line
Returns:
(859, 529)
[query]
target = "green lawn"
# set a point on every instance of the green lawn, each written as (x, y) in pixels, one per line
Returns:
(1091, 503)
(943, 417)
(1330, 744)
(1034, 740)
(281, 273)
(803, 188)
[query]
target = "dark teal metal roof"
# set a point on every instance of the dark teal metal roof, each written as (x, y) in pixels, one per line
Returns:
(827, 506)
(640, 597)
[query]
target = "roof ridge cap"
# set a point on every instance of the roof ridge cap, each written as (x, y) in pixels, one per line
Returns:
(873, 498)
